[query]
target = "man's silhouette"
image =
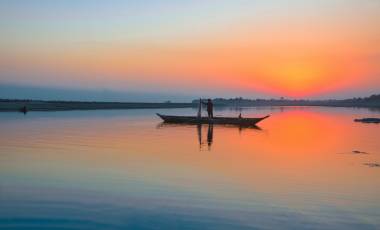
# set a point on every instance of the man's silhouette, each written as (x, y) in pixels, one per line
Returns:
(210, 106)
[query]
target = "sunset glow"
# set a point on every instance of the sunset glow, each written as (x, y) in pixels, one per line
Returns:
(198, 114)
(242, 48)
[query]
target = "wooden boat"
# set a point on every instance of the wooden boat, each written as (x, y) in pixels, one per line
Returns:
(368, 120)
(216, 120)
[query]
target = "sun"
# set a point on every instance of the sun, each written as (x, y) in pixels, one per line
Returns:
(295, 79)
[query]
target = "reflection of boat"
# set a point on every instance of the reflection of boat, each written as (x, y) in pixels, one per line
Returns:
(239, 127)
(210, 130)
(216, 120)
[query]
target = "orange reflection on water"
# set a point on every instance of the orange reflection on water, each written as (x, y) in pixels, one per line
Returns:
(301, 155)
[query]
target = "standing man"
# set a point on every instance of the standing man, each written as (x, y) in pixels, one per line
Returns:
(209, 108)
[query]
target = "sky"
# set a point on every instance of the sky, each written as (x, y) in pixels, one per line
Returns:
(214, 48)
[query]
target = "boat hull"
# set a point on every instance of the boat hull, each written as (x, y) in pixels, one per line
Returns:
(215, 120)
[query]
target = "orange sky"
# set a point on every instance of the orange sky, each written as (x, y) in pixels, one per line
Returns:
(298, 49)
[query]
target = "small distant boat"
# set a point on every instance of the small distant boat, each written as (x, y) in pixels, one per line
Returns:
(368, 120)
(216, 120)
(23, 109)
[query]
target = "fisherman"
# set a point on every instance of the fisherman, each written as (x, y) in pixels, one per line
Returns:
(209, 108)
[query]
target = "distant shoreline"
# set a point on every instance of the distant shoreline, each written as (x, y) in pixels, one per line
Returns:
(39, 105)
(10, 105)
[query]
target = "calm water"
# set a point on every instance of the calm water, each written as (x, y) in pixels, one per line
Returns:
(125, 170)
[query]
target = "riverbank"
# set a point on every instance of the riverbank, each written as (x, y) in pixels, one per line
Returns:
(36, 105)
(7, 105)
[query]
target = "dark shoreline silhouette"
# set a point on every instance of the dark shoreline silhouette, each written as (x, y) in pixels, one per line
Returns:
(41, 105)
(371, 101)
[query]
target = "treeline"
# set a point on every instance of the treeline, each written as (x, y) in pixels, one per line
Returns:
(371, 101)
(40, 105)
